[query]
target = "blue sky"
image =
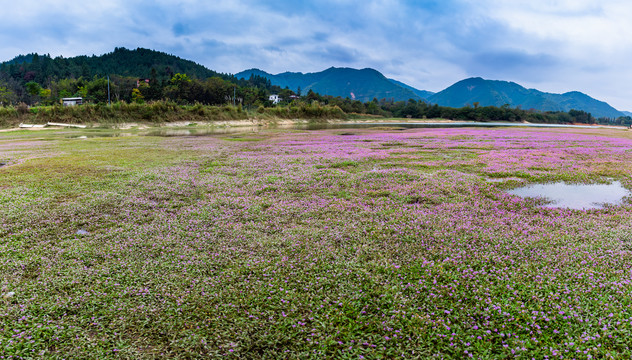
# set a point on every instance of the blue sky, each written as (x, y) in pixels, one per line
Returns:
(551, 45)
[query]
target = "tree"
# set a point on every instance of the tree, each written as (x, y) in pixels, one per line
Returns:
(137, 97)
(6, 96)
(64, 88)
(178, 79)
(434, 112)
(216, 90)
(82, 91)
(121, 87)
(624, 120)
(311, 95)
(33, 89)
(85, 70)
(154, 90)
(373, 107)
(45, 94)
(581, 116)
(285, 95)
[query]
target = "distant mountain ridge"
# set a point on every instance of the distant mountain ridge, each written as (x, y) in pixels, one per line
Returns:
(498, 93)
(367, 84)
(423, 94)
(363, 85)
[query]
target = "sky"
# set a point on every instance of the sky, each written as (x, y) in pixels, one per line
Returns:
(551, 45)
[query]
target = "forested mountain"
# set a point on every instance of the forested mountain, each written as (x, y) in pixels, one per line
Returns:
(135, 75)
(363, 85)
(123, 62)
(498, 93)
(367, 84)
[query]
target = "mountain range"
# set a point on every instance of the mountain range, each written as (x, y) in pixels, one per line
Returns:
(366, 84)
(498, 93)
(363, 85)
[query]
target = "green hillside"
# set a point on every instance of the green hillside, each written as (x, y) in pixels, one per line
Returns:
(363, 85)
(137, 63)
(499, 93)
(421, 93)
(36, 79)
(578, 100)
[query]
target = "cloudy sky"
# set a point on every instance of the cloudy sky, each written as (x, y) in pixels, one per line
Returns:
(551, 45)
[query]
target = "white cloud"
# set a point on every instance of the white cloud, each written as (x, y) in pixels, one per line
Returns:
(590, 40)
(551, 45)
(579, 25)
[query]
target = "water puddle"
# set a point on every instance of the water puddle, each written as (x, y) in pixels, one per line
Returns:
(162, 132)
(574, 196)
(197, 132)
(97, 135)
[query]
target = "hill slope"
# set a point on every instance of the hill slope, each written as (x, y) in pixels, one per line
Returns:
(124, 62)
(499, 93)
(424, 94)
(363, 85)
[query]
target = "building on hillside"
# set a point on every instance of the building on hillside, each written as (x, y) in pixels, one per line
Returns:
(141, 81)
(275, 99)
(72, 101)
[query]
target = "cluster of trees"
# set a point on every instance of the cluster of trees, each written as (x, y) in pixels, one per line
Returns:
(134, 76)
(423, 110)
(180, 88)
(41, 80)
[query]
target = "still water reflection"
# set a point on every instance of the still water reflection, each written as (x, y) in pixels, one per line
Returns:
(574, 196)
(219, 130)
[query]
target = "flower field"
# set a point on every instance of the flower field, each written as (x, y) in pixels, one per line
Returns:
(344, 244)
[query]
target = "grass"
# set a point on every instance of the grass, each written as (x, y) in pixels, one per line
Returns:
(311, 245)
(160, 112)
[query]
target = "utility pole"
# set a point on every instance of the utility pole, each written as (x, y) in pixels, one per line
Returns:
(234, 94)
(109, 101)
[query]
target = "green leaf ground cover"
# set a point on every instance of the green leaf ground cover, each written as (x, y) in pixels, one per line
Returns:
(311, 245)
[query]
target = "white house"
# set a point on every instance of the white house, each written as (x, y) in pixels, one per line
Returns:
(72, 101)
(275, 99)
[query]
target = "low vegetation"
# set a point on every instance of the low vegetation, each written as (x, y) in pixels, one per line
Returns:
(159, 112)
(321, 244)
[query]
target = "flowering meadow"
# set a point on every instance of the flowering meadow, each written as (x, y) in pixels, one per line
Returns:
(346, 244)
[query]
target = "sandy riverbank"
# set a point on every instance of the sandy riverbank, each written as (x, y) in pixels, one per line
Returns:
(256, 122)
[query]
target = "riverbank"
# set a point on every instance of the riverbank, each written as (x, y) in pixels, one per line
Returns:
(161, 112)
(123, 115)
(249, 122)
